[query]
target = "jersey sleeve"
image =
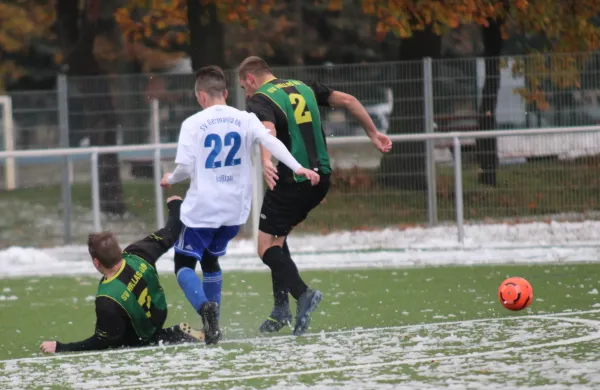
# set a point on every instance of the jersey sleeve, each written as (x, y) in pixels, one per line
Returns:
(322, 93)
(262, 107)
(109, 333)
(186, 146)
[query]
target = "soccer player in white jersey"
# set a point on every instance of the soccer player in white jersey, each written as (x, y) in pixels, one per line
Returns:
(214, 151)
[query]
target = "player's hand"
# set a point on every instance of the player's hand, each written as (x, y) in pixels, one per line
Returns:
(48, 347)
(174, 197)
(310, 175)
(270, 173)
(164, 183)
(382, 142)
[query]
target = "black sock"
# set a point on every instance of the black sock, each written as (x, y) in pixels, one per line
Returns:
(280, 294)
(297, 286)
(284, 272)
(272, 258)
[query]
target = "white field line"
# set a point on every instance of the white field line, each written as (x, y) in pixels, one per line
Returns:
(267, 340)
(557, 343)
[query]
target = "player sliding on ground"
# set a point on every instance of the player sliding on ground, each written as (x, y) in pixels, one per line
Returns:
(214, 150)
(131, 308)
(290, 110)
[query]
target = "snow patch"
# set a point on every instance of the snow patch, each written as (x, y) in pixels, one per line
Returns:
(554, 242)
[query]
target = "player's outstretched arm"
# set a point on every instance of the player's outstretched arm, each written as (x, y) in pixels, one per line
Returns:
(110, 329)
(181, 172)
(152, 247)
(339, 99)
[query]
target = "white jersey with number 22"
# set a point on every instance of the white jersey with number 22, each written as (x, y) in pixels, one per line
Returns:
(217, 144)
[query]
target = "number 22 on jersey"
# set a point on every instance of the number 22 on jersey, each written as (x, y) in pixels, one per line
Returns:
(215, 142)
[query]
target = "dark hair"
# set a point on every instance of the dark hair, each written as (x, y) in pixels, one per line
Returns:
(211, 80)
(105, 247)
(255, 66)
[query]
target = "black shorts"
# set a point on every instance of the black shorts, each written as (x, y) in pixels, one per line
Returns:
(289, 204)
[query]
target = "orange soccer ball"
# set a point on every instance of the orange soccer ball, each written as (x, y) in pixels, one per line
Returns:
(515, 293)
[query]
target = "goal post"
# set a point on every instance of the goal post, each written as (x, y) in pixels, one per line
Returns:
(8, 141)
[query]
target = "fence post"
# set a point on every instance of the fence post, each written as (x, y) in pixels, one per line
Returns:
(95, 192)
(63, 121)
(432, 212)
(9, 143)
(458, 190)
(158, 191)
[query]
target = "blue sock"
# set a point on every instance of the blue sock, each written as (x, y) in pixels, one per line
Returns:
(213, 284)
(192, 287)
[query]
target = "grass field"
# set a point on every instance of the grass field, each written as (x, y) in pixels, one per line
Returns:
(396, 328)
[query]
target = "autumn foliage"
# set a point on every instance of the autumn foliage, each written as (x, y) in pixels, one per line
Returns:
(21, 22)
(566, 27)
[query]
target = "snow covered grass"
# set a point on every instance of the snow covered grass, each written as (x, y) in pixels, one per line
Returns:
(407, 328)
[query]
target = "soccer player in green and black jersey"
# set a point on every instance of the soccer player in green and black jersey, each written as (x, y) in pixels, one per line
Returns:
(290, 110)
(131, 308)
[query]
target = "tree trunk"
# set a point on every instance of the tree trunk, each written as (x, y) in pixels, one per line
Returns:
(487, 148)
(404, 167)
(207, 35)
(99, 117)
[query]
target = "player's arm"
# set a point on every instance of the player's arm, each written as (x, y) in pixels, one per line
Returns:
(272, 145)
(185, 158)
(110, 331)
(336, 99)
(152, 247)
(264, 110)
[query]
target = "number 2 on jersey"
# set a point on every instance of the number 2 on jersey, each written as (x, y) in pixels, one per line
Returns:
(145, 301)
(213, 141)
(301, 114)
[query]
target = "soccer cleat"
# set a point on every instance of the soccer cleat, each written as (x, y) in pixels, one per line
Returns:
(306, 305)
(279, 317)
(191, 334)
(209, 312)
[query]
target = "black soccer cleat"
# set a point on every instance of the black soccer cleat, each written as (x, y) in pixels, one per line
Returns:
(279, 317)
(306, 305)
(209, 312)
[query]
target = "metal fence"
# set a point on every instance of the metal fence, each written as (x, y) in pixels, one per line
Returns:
(564, 186)
(503, 177)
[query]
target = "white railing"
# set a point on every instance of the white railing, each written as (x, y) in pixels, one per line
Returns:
(456, 137)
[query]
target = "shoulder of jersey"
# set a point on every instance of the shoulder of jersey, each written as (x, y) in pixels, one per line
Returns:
(199, 116)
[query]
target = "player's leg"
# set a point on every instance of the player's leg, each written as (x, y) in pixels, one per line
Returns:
(152, 247)
(178, 334)
(211, 269)
(293, 209)
(191, 245)
(212, 277)
(273, 211)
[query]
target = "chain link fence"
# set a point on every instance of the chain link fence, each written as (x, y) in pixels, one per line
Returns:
(514, 178)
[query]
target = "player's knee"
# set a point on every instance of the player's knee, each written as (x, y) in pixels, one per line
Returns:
(272, 256)
(210, 263)
(183, 261)
(266, 242)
